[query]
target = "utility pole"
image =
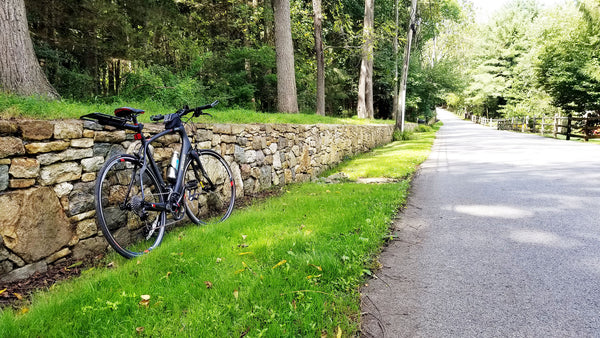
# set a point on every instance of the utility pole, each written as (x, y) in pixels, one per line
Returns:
(402, 99)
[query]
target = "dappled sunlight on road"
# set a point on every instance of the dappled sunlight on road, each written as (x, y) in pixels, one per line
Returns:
(496, 211)
(530, 236)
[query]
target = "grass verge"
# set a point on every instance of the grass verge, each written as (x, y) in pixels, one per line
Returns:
(396, 160)
(39, 108)
(288, 266)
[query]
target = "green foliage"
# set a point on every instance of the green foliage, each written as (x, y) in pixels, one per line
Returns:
(402, 135)
(158, 84)
(180, 51)
(529, 61)
(567, 60)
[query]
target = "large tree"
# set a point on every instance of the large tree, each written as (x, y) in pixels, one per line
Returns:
(365, 81)
(318, 22)
(287, 101)
(20, 71)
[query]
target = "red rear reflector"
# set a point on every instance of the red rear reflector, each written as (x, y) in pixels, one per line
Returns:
(231, 183)
(122, 160)
(137, 136)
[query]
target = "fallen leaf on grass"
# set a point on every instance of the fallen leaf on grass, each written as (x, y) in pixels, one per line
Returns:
(317, 267)
(1, 291)
(23, 311)
(145, 300)
(139, 329)
(208, 284)
(339, 332)
(74, 265)
(235, 294)
(280, 263)
(18, 295)
(316, 276)
(245, 253)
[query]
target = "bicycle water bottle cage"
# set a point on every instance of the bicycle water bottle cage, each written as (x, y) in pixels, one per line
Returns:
(127, 112)
(172, 121)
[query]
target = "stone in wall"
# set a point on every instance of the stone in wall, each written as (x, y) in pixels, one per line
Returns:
(24, 168)
(60, 172)
(24, 272)
(46, 147)
(8, 127)
(68, 129)
(92, 164)
(89, 247)
(81, 198)
(10, 146)
(3, 177)
(110, 137)
(36, 129)
(33, 223)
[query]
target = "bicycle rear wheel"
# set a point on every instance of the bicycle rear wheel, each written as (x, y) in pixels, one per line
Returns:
(127, 226)
(209, 188)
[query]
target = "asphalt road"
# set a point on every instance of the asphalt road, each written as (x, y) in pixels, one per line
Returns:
(500, 238)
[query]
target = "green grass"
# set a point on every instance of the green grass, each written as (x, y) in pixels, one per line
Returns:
(289, 266)
(38, 108)
(397, 160)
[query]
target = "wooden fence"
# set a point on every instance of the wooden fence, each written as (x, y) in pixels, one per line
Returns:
(581, 127)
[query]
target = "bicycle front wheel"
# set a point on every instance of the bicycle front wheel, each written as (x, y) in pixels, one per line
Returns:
(209, 188)
(128, 227)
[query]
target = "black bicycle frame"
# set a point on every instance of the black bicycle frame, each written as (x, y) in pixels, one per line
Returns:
(174, 200)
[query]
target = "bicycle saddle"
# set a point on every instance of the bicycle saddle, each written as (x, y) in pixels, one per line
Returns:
(127, 112)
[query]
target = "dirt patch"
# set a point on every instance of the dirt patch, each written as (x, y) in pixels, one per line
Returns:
(20, 291)
(376, 180)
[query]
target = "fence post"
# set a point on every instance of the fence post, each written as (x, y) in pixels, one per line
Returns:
(555, 130)
(569, 121)
(543, 126)
(533, 124)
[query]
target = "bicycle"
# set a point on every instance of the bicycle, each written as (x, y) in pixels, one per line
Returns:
(134, 195)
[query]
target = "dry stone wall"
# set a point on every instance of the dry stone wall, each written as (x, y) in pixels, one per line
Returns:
(48, 170)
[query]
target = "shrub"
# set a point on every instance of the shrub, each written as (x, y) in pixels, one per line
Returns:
(402, 135)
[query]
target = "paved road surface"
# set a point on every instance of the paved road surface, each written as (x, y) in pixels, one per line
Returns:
(500, 238)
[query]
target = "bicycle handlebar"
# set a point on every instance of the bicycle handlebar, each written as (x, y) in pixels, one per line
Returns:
(185, 110)
(157, 117)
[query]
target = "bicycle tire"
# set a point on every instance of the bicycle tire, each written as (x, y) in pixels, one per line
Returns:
(205, 203)
(127, 226)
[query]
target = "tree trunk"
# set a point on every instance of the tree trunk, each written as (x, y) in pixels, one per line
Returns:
(365, 81)
(20, 71)
(268, 18)
(287, 101)
(395, 95)
(402, 99)
(320, 57)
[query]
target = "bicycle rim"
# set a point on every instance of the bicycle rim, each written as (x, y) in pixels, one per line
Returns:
(206, 202)
(127, 226)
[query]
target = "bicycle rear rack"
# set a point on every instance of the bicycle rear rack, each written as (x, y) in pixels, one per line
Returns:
(110, 120)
